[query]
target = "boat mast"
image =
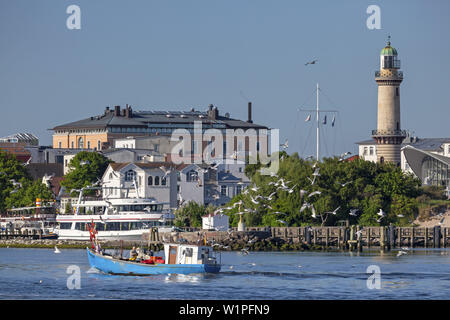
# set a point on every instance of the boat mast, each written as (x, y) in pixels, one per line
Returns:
(317, 118)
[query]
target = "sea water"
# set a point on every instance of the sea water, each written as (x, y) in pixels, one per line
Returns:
(419, 274)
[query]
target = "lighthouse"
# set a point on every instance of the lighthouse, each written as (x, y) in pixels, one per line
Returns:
(388, 134)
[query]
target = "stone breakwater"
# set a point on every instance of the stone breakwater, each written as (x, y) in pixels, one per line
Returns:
(221, 241)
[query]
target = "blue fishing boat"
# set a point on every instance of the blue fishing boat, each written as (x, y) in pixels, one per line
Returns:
(180, 259)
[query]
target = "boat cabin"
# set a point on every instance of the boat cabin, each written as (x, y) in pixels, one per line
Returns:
(188, 254)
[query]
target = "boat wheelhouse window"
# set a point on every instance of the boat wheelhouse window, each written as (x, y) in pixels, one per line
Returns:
(81, 226)
(124, 226)
(112, 226)
(99, 226)
(150, 181)
(65, 225)
(130, 175)
(136, 225)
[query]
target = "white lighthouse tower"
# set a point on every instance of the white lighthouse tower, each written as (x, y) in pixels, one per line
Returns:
(389, 135)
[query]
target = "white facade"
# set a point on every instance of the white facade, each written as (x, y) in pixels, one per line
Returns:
(219, 222)
(141, 180)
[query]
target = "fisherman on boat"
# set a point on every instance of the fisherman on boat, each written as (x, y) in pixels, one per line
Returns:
(133, 254)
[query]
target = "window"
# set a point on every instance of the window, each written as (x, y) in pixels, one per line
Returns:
(365, 151)
(223, 190)
(238, 189)
(371, 151)
(130, 175)
(150, 181)
(98, 145)
(163, 181)
(396, 92)
(88, 144)
(59, 145)
(192, 176)
(72, 145)
(80, 143)
(157, 181)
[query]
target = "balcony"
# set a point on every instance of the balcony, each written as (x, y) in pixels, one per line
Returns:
(399, 75)
(391, 133)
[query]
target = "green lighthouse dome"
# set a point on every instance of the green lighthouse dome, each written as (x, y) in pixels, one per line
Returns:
(388, 50)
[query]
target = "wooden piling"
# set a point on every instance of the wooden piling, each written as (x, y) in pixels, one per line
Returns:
(382, 238)
(437, 237)
(425, 244)
(444, 237)
(411, 244)
(368, 237)
(327, 236)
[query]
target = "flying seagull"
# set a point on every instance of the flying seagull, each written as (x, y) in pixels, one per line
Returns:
(311, 62)
(285, 144)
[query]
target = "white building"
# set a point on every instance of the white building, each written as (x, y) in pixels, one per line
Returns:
(219, 222)
(156, 180)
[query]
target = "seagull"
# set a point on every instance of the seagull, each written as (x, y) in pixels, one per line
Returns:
(292, 189)
(271, 196)
(302, 192)
(353, 212)
(278, 212)
(166, 172)
(442, 221)
(342, 156)
(28, 162)
(400, 253)
(358, 233)
(311, 62)
(253, 200)
(346, 183)
(335, 211)
(304, 206)
(255, 188)
(316, 172)
(400, 215)
(313, 212)
(283, 222)
(314, 193)
(381, 213)
(312, 180)
(83, 162)
(244, 251)
(285, 144)
(57, 250)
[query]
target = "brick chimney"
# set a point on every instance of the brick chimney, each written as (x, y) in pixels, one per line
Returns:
(128, 112)
(117, 111)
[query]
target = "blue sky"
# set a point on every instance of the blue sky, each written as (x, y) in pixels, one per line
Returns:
(175, 55)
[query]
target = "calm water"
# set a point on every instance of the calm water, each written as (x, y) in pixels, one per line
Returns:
(422, 274)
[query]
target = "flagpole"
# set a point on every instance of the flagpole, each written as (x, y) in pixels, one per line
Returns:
(317, 117)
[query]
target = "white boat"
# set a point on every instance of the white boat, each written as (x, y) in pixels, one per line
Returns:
(115, 219)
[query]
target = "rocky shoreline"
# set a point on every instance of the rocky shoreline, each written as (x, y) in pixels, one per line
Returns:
(231, 243)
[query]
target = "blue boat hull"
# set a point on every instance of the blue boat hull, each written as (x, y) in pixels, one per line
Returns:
(113, 266)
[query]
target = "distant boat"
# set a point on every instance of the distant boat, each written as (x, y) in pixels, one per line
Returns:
(180, 259)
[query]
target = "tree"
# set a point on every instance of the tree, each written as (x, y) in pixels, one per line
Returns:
(190, 215)
(86, 168)
(17, 189)
(361, 186)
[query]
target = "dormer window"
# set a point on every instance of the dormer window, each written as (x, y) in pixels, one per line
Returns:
(130, 175)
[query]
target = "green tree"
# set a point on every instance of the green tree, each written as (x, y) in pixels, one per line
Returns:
(190, 215)
(17, 189)
(86, 168)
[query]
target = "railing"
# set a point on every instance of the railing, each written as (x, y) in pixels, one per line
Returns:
(398, 75)
(401, 133)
